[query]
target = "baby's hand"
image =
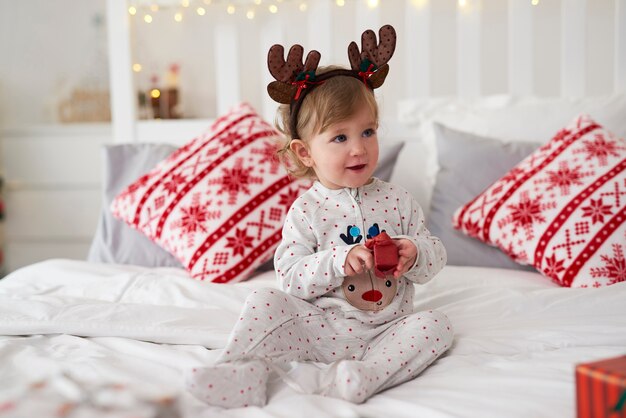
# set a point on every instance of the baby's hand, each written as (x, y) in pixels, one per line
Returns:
(407, 254)
(358, 260)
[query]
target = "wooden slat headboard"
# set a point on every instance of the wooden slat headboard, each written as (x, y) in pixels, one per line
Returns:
(465, 48)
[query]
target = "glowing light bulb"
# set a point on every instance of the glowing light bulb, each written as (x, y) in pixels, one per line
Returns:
(132, 10)
(340, 3)
(155, 93)
(230, 9)
(200, 11)
(147, 19)
(137, 67)
(462, 3)
(303, 7)
(184, 3)
(273, 8)
(250, 14)
(534, 2)
(178, 17)
(372, 4)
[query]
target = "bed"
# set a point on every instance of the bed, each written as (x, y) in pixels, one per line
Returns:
(517, 340)
(115, 336)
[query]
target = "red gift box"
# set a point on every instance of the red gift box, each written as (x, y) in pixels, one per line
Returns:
(385, 252)
(601, 388)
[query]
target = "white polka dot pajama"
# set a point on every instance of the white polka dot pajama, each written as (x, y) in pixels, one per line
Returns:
(312, 317)
(276, 328)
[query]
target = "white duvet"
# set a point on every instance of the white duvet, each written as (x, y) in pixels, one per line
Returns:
(69, 330)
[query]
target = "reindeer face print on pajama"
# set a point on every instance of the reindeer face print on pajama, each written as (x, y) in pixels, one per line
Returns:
(368, 292)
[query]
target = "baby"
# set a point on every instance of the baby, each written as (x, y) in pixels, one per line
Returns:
(336, 306)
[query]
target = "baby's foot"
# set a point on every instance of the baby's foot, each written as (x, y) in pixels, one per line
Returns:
(352, 381)
(230, 385)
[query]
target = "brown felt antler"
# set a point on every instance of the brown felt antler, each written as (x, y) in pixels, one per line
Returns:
(376, 52)
(285, 71)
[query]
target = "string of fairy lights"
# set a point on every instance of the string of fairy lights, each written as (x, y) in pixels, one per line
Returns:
(177, 10)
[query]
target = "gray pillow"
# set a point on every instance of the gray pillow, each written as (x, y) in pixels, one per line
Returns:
(387, 157)
(114, 241)
(468, 164)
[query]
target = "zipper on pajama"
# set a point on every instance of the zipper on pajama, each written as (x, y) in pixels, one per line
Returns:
(355, 194)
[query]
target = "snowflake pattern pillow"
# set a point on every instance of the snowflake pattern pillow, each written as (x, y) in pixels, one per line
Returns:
(562, 209)
(217, 203)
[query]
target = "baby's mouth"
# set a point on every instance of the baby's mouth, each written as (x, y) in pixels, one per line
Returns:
(357, 167)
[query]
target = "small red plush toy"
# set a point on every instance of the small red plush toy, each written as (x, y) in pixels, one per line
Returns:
(385, 254)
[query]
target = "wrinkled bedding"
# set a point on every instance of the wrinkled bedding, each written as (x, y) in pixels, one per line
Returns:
(71, 332)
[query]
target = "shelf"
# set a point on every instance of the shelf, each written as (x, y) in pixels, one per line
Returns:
(172, 131)
(55, 130)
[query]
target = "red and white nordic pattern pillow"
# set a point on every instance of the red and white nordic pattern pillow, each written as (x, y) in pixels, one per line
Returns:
(219, 202)
(562, 209)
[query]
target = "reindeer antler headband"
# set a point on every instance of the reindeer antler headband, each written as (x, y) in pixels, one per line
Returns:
(295, 79)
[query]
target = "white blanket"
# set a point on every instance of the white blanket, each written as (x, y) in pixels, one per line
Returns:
(518, 339)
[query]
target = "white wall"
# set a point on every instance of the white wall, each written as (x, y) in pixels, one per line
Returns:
(45, 48)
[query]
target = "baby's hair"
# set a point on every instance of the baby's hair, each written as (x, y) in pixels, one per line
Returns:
(336, 100)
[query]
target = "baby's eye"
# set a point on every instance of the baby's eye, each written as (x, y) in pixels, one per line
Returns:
(351, 288)
(388, 283)
(369, 132)
(340, 138)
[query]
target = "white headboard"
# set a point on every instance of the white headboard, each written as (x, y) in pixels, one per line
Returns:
(466, 48)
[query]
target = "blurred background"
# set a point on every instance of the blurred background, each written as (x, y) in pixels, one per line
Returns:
(77, 74)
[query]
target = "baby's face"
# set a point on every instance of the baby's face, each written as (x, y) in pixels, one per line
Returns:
(346, 154)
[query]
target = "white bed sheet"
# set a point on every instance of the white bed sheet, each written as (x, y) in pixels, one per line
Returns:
(517, 340)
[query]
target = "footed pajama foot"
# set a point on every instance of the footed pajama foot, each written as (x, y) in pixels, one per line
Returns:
(230, 385)
(352, 381)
